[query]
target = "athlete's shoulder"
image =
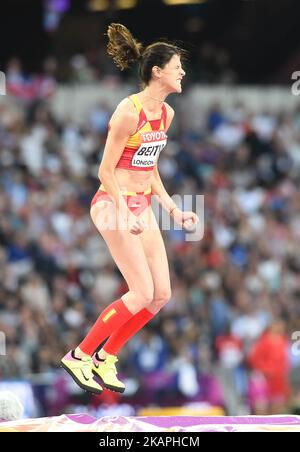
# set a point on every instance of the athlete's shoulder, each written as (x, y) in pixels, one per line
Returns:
(125, 115)
(170, 110)
(170, 115)
(126, 108)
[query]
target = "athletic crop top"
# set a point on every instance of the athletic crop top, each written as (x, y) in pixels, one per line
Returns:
(144, 146)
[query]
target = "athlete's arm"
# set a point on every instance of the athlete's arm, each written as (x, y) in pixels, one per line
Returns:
(157, 187)
(122, 125)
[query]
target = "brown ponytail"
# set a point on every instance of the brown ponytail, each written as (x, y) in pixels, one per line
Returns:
(122, 46)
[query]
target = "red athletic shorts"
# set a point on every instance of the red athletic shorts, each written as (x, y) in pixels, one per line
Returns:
(137, 202)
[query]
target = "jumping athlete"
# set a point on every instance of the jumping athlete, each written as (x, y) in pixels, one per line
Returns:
(121, 209)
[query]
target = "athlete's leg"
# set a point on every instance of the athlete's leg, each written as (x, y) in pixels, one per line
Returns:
(128, 254)
(155, 252)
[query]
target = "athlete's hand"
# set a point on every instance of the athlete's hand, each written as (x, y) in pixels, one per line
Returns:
(187, 220)
(136, 226)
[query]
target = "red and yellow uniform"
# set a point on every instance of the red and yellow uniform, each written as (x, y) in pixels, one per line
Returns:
(140, 154)
(144, 146)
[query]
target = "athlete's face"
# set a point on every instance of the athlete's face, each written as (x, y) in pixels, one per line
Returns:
(172, 74)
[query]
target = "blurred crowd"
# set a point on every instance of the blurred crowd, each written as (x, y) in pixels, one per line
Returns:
(225, 336)
(211, 65)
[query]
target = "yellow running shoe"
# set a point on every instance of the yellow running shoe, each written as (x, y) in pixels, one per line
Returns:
(107, 373)
(81, 372)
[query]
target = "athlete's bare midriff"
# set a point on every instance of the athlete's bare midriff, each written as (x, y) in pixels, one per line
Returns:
(133, 180)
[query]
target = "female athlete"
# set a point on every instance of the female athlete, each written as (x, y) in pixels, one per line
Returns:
(121, 209)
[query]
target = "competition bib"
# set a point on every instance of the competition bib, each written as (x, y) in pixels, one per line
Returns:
(148, 152)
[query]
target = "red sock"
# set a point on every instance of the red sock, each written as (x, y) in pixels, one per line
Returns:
(112, 318)
(120, 336)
